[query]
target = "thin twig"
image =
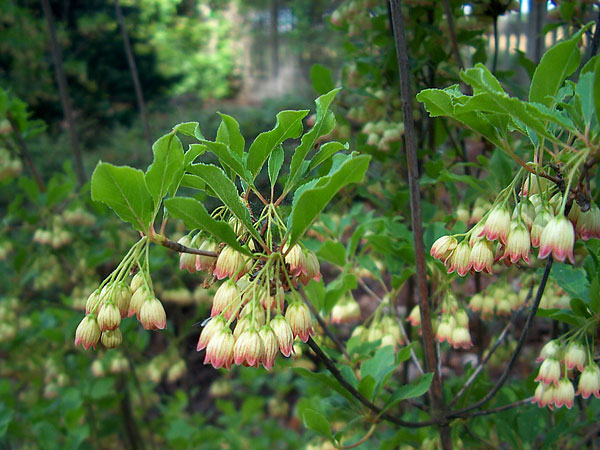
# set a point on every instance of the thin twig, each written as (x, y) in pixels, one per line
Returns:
(538, 297)
(338, 376)
(490, 352)
(452, 33)
(176, 246)
(487, 412)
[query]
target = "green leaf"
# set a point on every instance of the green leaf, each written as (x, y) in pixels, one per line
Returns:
(193, 181)
(326, 151)
(275, 163)
(288, 125)
(380, 366)
(579, 308)
(585, 91)
(193, 152)
(124, 190)
(597, 89)
(558, 63)
(312, 198)
(572, 280)
(229, 134)
(366, 386)
(228, 158)
(166, 167)
(189, 129)
(415, 389)
(334, 252)
(324, 123)
(317, 422)
(194, 216)
(320, 77)
(481, 79)
(337, 288)
(328, 381)
(224, 188)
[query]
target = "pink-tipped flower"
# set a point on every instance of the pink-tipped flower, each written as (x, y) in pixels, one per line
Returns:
(476, 302)
(575, 356)
(539, 223)
(297, 261)
(93, 302)
(445, 329)
(533, 185)
(285, 336)
(518, 244)
(298, 317)
(187, 261)
(87, 333)
(269, 339)
(213, 326)
(558, 238)
(549, 372)
(346, 310)
(249, 348)
(460, 259)
(112, 339)
(207, 263)
(549, 350)
(122, 296)
(219, 351)
(242, 325)
(564, 394)
(482, 256)
(497, 225)
(137, 282)
(152, 315)
(526, 211)
(461, 338)
(414, 318)
(588, 225)
(442, 248)
(538, 396)
(589, 381)
(229, 263)
(137, 300)
(109, 317)
(313, 268)
(224, 299)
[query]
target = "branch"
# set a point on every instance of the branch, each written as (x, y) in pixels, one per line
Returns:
(504, 376)
(453, 41)
(176, 246)
(338, 376)
(416, 217)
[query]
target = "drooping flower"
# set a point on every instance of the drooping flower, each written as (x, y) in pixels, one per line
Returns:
(575, 356)
(443, 247)
(460, 260)
(313, 268)
(152, 315)
(226, 295)
(230, 263)
(213, 326)
(497, 225)
(549, 350)
(482, 256)
(564, 394)
(249, 348)
(284, 333)
(207, 262)
(518, 244)
(549, 372)
(187, 261)
(297, 261)
(300, 321)
(589, 381)
(88, 332)
(539, 223)
(461, 338)
(588, 224)
(111, 339)
(271, 344)
(414, 318)
(109, 317)
(558, 238)
(219, 351)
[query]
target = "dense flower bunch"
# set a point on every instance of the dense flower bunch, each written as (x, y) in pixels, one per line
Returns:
(537, 220)
(257, 311)
(558, 359)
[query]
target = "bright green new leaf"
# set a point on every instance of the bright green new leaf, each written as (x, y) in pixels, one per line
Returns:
(124, 190)
(415, 389)
(320, 77)
(194, 216)
(275, 163)
(333, 251)
(324, 123)
(193, 152)
(189, 129)
(481, 79)
(379, 366)
(325, 152)
(193, 181)
(229, 134)
(366, 386)
(317, 422)
(166, 167)
(597, 90)
(224, 188)
(288, 126)
(228, 158)
(312, 198)
(559, 62)
(572, 280)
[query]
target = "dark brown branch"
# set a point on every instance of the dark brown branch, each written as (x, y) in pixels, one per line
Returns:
(134, 72)
(416, 218)
(487, 412)
(63, 90)
(25, 155)
(338, 376)
(452, 33)
(538, 297)
(176, 246)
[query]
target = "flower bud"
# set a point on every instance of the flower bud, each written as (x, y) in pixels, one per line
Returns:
(588, 224)
(461, 338)
(226, 295)
(442, 248)
(313, 269)
(575, 356)
(549, 372)
(346, 310)
(229, 263)
(497, 225)
(249, 349)
(482, 257)
(112, 339)
(285, 336)
(207, 263)
(219, 351)
(564, 394)
(414, 318)
(297, 261)
(187, 261)
(93, 302)
(589, 381)
(136, 282)
(298, 316)
(526, 211)
(460, 259)
(137, 300)
(558, 238)
(476, 303)
(213, 326)
(255, 311)
(152, 315)
(445, 329)
(87, 333)
(518, 245)
(270, 342)
(539, 223)
(122, 296)
(242, 325)
(109, 317)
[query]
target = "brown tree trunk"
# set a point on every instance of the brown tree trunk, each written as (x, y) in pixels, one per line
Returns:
(64, 93)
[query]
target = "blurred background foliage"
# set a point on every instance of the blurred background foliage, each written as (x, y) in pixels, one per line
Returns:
(249, 59)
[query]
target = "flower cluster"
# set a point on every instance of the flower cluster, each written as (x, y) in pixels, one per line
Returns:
(383, 328)
(498, 299)
(537, 221)
(558, 360)
(257, 312)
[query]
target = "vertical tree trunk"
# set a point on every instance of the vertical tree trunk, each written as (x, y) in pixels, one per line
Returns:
(134, 73)
(535, 41)
(64, 93)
